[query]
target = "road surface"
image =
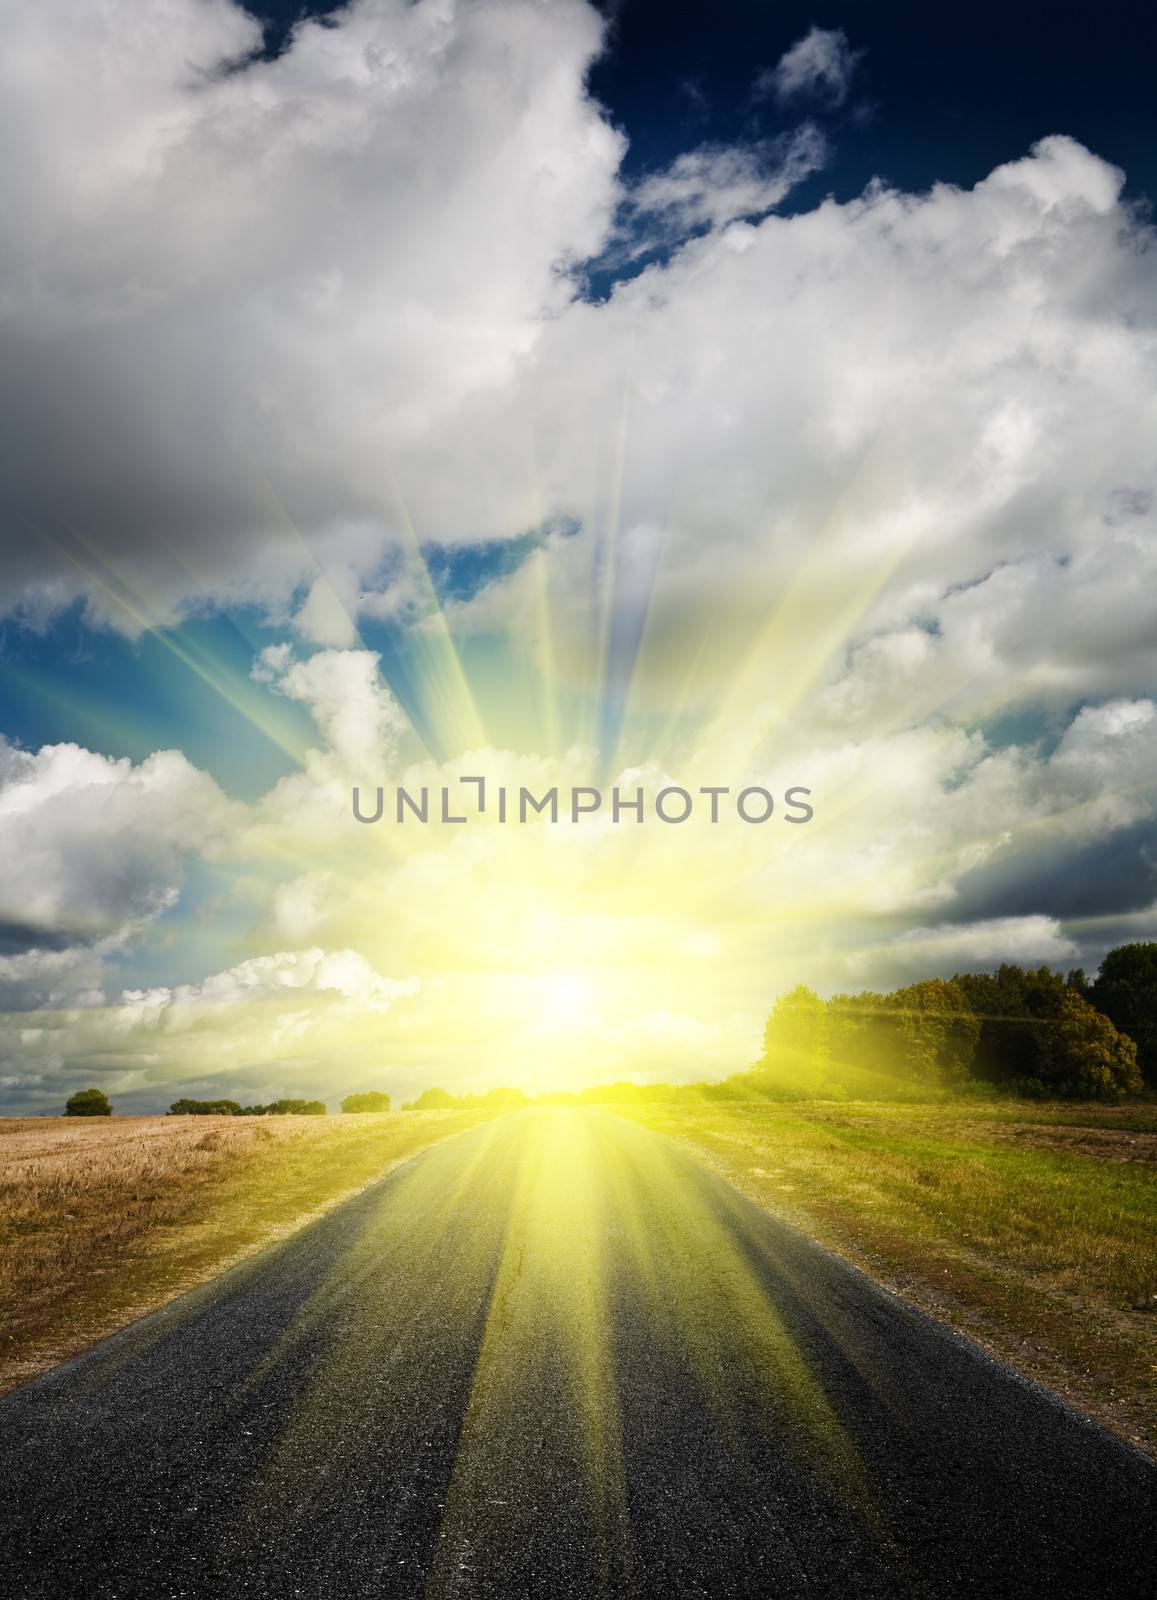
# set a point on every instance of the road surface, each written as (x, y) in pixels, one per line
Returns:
(556, 1357)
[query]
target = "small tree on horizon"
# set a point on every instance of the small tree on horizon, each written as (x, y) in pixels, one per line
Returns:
(88, 1103)
(432, 1100)
(368, 1100)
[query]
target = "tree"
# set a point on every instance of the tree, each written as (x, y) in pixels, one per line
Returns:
(863, 1038)
(1087, 1057)
(796, 1039)
(1038, 1031)
(88, 1103)
(369, 1100)
(1126, 991)
(500, 1097)
(433, 1100)
(938, 1031)
(1009, 1006)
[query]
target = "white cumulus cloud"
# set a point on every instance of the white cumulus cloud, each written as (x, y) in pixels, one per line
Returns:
(92, 848)
(821, 64)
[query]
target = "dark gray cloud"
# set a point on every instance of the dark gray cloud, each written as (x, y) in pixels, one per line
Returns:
(16, 937)
(1065, 879)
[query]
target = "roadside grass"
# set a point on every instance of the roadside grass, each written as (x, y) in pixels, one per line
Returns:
(105, 1219)
(1032, 1229)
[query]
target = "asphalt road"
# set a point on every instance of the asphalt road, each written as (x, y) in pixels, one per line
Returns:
(556, 1357)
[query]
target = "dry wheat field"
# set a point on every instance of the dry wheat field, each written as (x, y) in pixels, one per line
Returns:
(103, 1219)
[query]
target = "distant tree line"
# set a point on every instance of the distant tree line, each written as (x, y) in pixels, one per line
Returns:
(369, 1100)
(443, 1100)
(1030, 1031)
(95, 1103)
(232, 1108)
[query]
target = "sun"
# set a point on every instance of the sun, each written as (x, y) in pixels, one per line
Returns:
(565, 1001)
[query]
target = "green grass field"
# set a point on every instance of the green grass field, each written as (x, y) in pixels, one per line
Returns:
(1032, 1228)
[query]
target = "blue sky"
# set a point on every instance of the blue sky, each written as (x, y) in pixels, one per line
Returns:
(939, 95)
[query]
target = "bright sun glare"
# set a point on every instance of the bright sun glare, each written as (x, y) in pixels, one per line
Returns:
(565, 1001)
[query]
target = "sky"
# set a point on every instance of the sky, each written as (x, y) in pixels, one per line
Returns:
(659, 395)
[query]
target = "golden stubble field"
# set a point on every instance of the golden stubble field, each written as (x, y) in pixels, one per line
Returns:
(104, 1219)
